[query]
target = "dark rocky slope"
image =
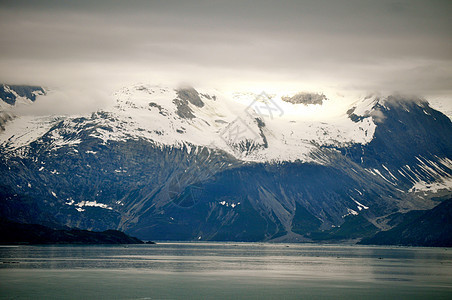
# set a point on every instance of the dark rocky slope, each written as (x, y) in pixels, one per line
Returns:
(431, 228)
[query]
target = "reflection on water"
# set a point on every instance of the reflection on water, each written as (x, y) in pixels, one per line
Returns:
(224, 270)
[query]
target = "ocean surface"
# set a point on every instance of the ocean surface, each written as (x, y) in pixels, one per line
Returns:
(225, 271)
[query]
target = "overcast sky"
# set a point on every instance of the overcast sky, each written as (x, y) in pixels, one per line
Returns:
(382, 45)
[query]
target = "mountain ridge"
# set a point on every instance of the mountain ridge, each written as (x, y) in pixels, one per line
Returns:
(161, 164)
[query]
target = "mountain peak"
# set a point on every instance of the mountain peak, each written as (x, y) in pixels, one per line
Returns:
(11, 93)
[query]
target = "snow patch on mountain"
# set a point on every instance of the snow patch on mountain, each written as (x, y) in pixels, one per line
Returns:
(81, 204)
(444, 183)
(24, 130)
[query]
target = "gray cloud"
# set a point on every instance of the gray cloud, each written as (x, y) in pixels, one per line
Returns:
(65, 102)
(403, 46)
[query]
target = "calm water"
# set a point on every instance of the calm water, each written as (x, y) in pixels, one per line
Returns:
(224, 271)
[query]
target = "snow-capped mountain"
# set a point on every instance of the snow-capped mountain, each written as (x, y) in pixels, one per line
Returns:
(12, 95)
(185, 117)
(163, 163)
(15, 95)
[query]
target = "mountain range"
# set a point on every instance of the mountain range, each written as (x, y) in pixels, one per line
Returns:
(164, 163)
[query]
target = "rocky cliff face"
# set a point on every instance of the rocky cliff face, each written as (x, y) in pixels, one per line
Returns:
(188, 165)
